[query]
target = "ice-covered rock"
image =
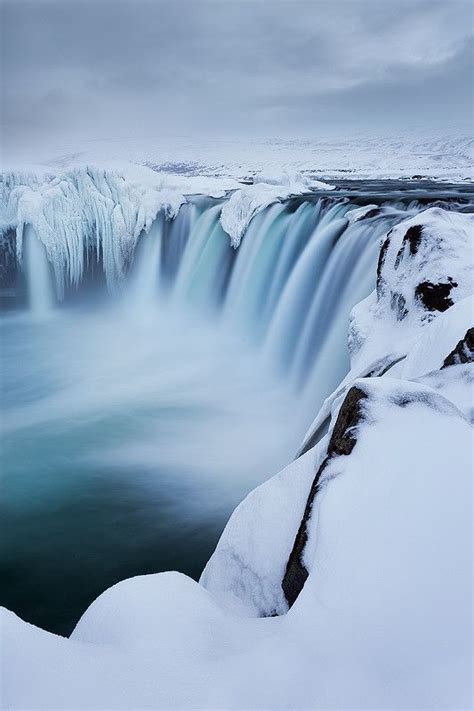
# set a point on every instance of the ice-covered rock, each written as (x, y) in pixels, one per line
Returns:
(82, 209)
(421, 308)
(267, 189)
(425, 266)
(429, 342)
(363, 213)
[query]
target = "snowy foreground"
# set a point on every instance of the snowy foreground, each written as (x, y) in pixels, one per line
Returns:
(343, 582)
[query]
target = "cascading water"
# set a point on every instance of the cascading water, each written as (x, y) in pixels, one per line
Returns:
(142, 419)
(37, 269)
(145, 277)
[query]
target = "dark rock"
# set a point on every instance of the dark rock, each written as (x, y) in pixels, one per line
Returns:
(376, 370)
(371, 213)
(435, 297)
(342, 438)
(342, 442)
(382, 367)
(398, 304)
(413, 238)
(463, 352)
(382, 255)
(315, 436)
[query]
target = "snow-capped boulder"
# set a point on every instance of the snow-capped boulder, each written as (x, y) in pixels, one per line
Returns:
(399, 328)
(425, 266)
(443, 341)
(363, 213)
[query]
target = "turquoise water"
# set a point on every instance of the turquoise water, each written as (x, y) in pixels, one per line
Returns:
(127, 442)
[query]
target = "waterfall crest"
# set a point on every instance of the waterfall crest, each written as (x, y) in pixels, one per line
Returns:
(288, 288)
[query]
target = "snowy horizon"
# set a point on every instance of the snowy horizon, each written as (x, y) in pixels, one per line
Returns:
(77, 74)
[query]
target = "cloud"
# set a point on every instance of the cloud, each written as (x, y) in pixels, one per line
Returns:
(75, 69)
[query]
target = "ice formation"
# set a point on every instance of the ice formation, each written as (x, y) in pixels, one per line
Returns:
(81, 210)
(267, 189)
(105, 211)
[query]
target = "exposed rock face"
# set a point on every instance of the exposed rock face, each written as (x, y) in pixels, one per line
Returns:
(435, 297)
(342, 442)
(413, 238)
(463, 352)
(382, 256)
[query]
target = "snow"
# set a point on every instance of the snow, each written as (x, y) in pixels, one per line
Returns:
(393, 313)
(87, 206)
(245, 572)
(436, 340)
(247, 202)
(379, 340)
(359, 213)
(438, 154)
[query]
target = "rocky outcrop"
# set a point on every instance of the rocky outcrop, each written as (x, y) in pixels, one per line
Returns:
(341, 443)
(463, 352)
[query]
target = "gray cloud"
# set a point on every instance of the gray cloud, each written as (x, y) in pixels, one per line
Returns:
(84, 69)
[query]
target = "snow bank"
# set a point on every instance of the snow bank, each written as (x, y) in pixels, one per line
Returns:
(425, 266)
(380, 623)
(361, 213)
(245, 572)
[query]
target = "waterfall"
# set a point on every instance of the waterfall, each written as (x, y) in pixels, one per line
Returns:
(145, 277)
(288, 289)
(38, 275)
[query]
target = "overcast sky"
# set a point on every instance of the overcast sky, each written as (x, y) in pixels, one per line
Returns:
(87, 69)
